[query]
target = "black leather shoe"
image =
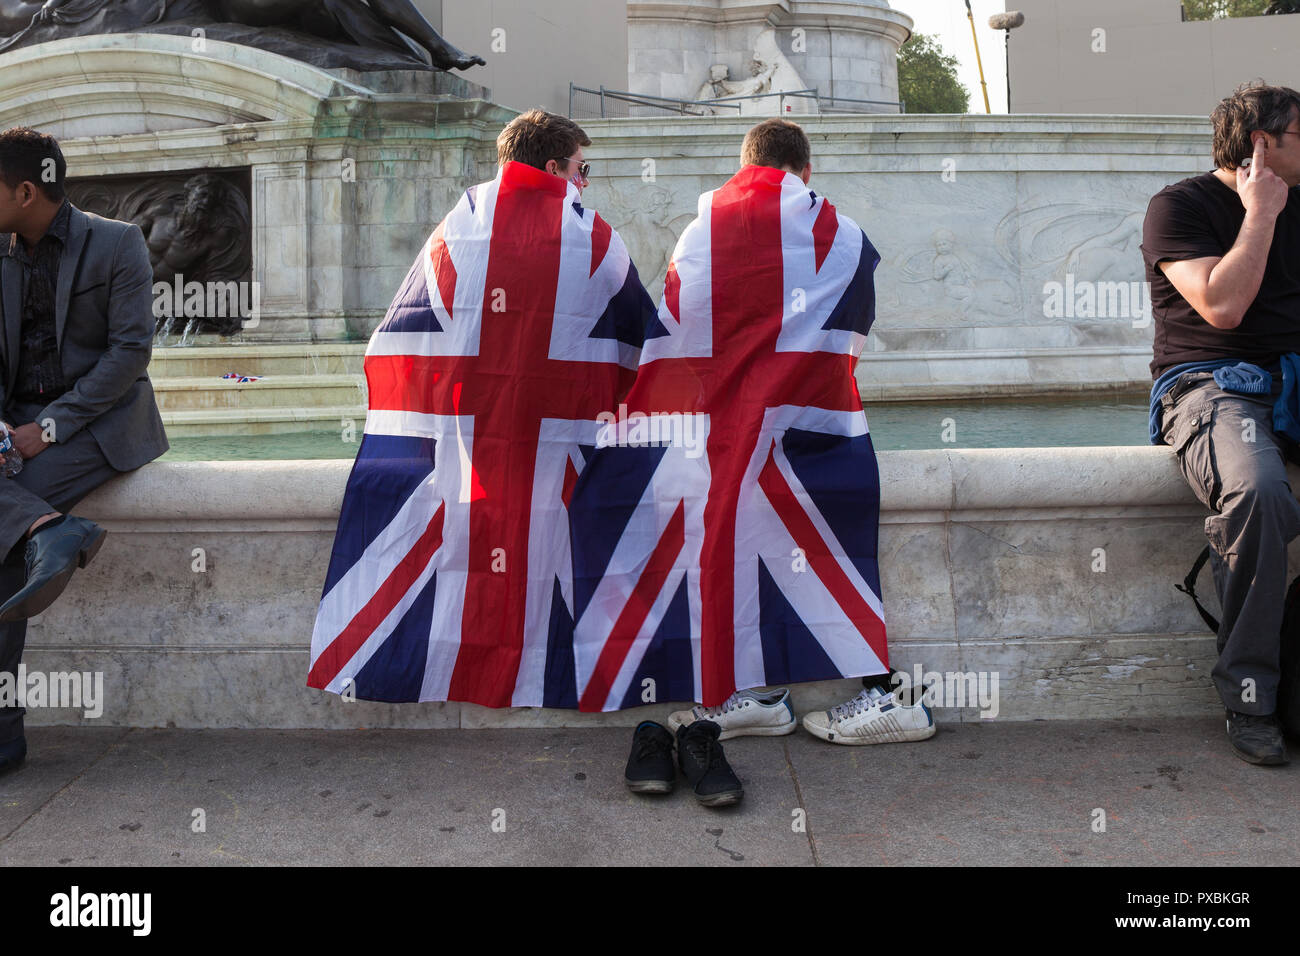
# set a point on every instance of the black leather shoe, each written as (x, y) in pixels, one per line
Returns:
(705, 766)
(650, 766)
(53, 553)
(1256, 739)
(12, 755)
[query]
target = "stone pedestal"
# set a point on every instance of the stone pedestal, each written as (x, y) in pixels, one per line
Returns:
(986, 556)
(842, 48)
(349, 171)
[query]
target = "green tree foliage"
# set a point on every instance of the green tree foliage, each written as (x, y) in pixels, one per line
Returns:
(1224, 9)
(927, 78)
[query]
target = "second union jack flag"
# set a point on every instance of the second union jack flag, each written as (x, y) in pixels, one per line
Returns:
(725, 528)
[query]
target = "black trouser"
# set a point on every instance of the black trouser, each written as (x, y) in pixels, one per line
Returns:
(55, 480)
(884, 681)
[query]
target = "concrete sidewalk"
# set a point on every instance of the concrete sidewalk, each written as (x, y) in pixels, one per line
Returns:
(1000, 793)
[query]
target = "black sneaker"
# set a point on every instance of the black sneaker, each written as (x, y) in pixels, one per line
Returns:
(705, 766)
(1256, 739)
(650, 767)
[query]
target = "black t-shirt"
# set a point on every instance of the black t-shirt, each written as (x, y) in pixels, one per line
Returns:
(1201, 217)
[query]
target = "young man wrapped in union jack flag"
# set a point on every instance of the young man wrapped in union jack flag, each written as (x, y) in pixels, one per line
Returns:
(725, 529)
(520, 321)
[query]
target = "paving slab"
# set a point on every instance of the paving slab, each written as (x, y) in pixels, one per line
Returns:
(64, 756)
(1000, 793)
(1036, 793)
(394, 797)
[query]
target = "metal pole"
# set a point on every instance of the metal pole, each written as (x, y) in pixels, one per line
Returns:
(1008, 33)
(602, 101)
(983, 86)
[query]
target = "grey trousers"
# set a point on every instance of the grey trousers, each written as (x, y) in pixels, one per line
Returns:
(1234, 462)
(54, 480)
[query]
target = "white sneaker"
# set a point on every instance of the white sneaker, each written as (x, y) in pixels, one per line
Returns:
(872, 717)
(744, 713)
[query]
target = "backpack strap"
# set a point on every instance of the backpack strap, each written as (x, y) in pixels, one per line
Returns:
(1188, 587)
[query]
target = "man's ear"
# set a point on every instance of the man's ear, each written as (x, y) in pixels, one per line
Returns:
(1258, 135)
(806, 175)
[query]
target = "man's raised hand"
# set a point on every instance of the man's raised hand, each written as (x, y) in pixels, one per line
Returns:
(1262, 191)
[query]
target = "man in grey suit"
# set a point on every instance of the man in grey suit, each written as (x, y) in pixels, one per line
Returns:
(76, 302)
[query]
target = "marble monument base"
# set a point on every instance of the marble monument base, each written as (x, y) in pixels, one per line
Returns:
(199, 608)
(349, 171)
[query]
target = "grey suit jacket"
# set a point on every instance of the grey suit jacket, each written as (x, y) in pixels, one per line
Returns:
(103, 315)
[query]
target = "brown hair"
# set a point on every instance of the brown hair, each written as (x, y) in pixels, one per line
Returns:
(536, 136)
(1254, 106)
(29, 156)
(778, 143)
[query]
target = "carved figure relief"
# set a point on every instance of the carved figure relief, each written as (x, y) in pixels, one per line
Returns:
(770, 72)
(942, 279)
(645, 219)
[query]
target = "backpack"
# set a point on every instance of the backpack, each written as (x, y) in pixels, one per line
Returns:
(1288, 687)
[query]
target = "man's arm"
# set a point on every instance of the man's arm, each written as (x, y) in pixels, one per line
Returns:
(1221, 288)
(130, 340)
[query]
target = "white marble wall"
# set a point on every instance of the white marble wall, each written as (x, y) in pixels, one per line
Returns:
(852, 65)
(973, 217)
(988, 563)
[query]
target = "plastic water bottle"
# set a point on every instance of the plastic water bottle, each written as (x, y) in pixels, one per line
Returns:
(13, 459)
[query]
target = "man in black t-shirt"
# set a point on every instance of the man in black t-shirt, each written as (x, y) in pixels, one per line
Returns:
(1222, 255)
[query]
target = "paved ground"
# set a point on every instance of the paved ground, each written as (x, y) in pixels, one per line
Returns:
(1003, 794)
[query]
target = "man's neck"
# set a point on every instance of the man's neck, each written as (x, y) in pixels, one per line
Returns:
(36, 232)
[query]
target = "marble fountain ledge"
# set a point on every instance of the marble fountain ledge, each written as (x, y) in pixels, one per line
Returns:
(199, 608)
(944, 479)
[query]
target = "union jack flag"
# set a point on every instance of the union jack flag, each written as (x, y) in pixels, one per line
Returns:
(754, 562)
(450, 578)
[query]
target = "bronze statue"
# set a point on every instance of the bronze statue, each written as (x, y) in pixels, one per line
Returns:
(371, 22)
(195, 226)
(361, 34)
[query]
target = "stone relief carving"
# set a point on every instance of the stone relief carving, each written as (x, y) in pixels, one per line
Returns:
(1094, 241)
(953, 280)
(770, 72)
(645, 219)
(946, 282)
(719, 87)
(1086, 252)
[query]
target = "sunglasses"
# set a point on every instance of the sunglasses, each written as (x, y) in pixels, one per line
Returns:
(583, 168)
